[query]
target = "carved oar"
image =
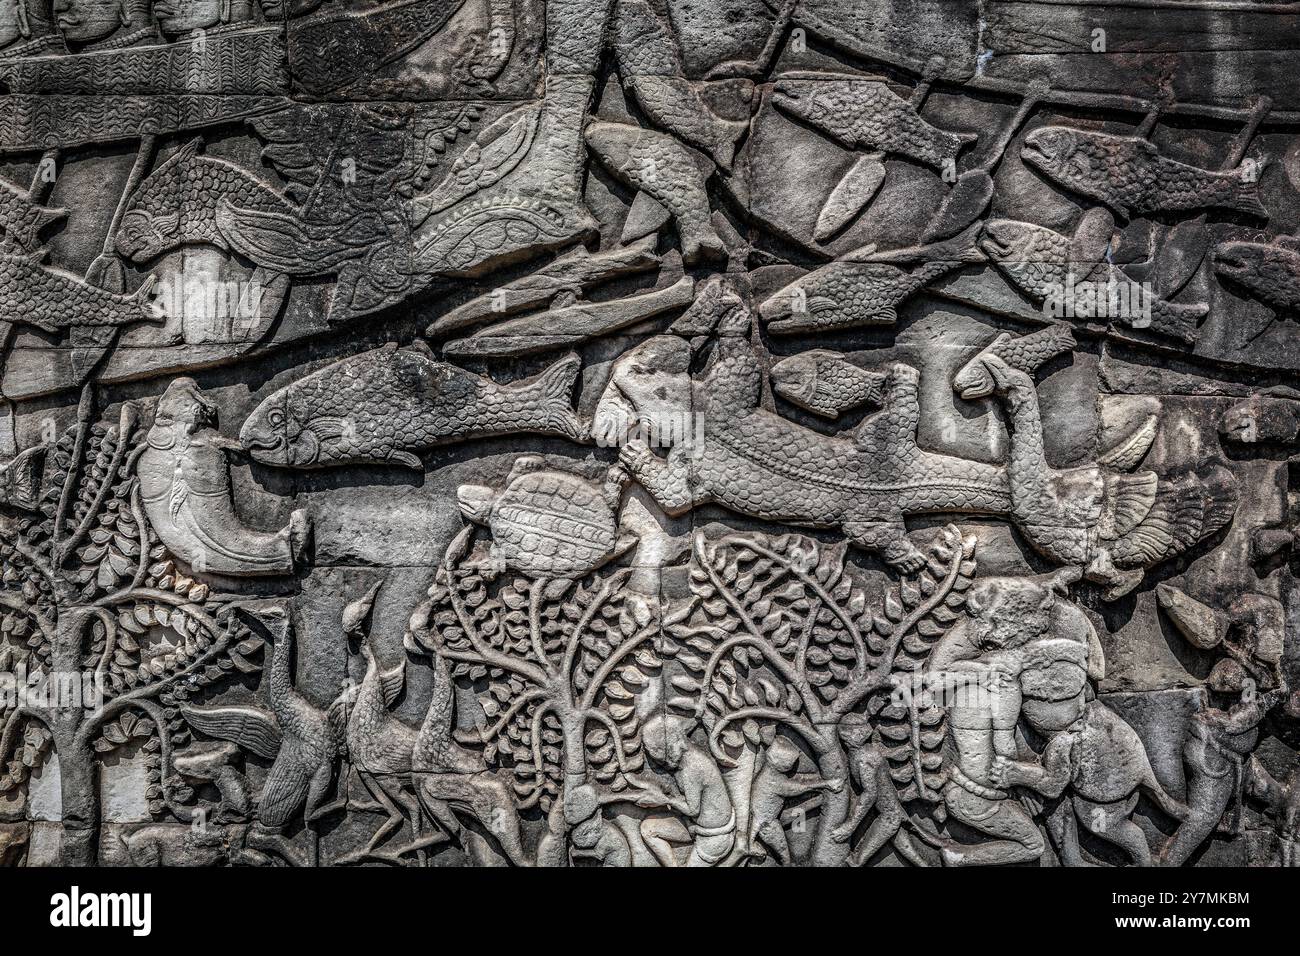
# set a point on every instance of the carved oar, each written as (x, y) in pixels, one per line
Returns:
(89, 342)
(973, 189)
(1188, 241)
(861, 183)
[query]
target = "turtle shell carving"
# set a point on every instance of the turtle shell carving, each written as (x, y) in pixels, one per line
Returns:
(546, 523)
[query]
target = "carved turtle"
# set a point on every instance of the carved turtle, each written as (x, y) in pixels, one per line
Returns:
(547, 523)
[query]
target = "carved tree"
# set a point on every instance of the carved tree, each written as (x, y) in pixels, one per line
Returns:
(102, 610)
(561, 665)
(784, 632)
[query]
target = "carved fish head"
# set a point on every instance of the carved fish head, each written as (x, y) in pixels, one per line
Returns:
(1008, 241)
(612, 142)
(1062, 154)
(144, 236)
(275, 435)
(475, 502)
(820, 104)
(1241, 261)
(795, 378)
(973, 379)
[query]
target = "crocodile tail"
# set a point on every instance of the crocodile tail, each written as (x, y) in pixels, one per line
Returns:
(551, 391)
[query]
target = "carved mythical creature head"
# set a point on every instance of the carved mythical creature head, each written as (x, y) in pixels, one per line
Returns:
(152, 223)
(182, 407)
(649, 387)
(664, 738)
(1009, 612)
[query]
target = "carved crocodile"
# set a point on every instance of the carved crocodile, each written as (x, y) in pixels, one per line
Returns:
(753, 461)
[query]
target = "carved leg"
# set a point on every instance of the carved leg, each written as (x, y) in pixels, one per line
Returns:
(1018, 839)
(772, 835)
(883, 829)
(387, 804)
(668, 481)
(1111, 822)
(889, 540)
(1064, 829)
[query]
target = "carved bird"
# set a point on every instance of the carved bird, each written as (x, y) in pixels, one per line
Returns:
(1111, 524)
(296, 734)
(379, 745)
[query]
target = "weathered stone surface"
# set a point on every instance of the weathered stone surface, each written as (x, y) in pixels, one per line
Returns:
(649, 432)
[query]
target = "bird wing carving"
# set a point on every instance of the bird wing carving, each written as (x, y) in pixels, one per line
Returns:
(253, 729)
(283, 793)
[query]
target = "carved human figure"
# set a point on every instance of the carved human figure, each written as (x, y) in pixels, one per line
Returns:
(876, 791)
(704, 800)
(1220, 738)
(774, 784)
(1089, 748)
(1225, 729)
(591, 836)
(978, 664)
(185, 484)
(97, 24)
(13, 22)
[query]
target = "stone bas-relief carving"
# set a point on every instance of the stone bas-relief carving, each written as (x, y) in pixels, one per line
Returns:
(624, 433)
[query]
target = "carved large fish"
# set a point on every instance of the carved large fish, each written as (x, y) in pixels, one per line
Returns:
(52, 299)
(1040, 261)
(665, 170)
(1128, 174)
(867, 114)
(384, 406)
(863, 288)
(1270, 270)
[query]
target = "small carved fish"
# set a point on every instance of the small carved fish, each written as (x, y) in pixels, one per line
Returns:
(21, 220)
(52, 299)
(651, 66)
(866, 114)
(862, 288)
(825, 383)
(666, 170)
(1040, 261)
(1128, 174)
(1270, 270)
(385, 405)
